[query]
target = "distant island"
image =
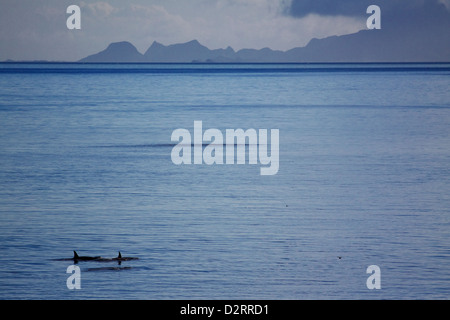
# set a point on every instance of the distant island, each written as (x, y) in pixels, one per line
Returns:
(385, 45)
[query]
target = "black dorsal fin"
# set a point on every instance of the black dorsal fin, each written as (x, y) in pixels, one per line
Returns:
(119, 256)
(75, 255)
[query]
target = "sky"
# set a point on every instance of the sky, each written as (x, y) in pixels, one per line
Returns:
(36, 29)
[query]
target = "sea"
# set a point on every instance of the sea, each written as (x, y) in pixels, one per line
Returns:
(358, 209)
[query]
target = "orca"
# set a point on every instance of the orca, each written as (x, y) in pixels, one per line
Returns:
(120, 258)
(76, 257)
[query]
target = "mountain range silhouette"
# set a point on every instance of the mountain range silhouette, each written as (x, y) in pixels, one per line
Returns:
(402, 40)
(364, 46)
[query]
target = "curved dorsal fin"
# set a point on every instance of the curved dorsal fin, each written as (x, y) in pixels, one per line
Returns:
(75, 255)
(119, 256)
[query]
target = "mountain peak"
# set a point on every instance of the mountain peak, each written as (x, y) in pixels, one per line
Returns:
(121, 45)
(194, 42)
(181, 52)
(156, 44)
(122, 51)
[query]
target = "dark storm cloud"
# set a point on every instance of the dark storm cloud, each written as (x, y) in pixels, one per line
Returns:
(301, 8)
(416, 30)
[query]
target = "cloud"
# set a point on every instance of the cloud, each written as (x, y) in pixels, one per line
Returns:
(215, 23)
(261, 23)
(424, 18)
(98, 9)
(301, 8)
(446, 3)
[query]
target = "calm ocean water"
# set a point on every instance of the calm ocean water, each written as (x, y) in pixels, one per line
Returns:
(85, 164)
